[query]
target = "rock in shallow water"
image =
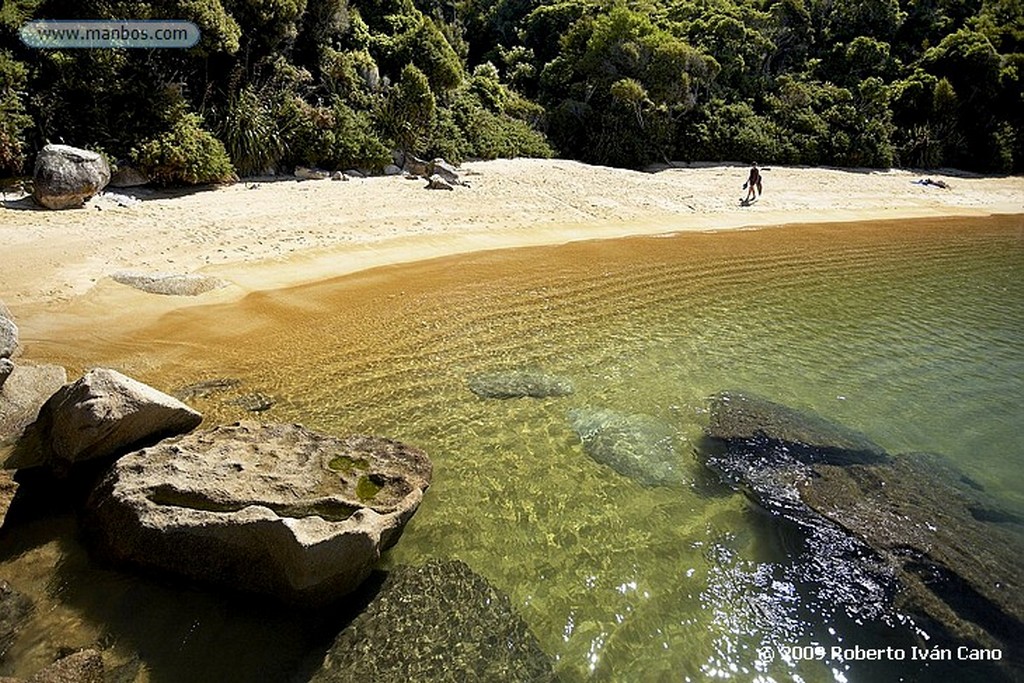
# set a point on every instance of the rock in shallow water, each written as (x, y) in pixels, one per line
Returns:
(276, 509)
(640, 447)
(438, 622)
(519, 384)
(169, 284)
(907, 532)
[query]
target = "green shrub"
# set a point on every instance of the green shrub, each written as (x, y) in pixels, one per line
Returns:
(13, 119)
(186, 154)
(251, 135)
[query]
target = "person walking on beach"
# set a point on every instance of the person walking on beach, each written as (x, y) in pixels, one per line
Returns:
(753, 182)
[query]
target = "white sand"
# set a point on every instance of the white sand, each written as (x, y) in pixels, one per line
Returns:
(288, 232)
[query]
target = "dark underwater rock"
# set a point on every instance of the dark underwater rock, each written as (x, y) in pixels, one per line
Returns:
(640, 447)
(15, 608)
(438, 622)
(759, 425)
(519, 384)
(907, 533)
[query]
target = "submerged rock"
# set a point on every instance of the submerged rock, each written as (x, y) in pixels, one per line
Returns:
(438, 622)
(276, 509)
(519, 384)
(84, 666)
(104, 413)
(8, 488)
(882, 533)
(169, 284)
(255, 402)
(758, 424)
(640, 447)
(206, 388)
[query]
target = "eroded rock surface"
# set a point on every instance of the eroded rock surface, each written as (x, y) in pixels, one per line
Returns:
(276, 509)
(519, 384)
(169, 284)
(906, 532)
(438, 622)
(640, 447)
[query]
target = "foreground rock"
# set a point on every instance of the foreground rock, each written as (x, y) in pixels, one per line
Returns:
(21, 397)
(102, 414)
(640, 447)
(276, 509)
(8, 336)
(438, 622)
(519, 384)
(907, 532)
(6, 368)
(65, 177)
(169, 284)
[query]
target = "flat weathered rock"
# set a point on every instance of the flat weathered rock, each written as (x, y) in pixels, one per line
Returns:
(169, 284)
(438, 622)
(105, 413)
(276, 509)
(67, 176)
(22, 395)
(519, 384)
(206, 388)
(640, 447)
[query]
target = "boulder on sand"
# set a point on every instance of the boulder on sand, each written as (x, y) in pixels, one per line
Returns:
(104, 413)
(274, 509)
(65, 177)
(438, 622)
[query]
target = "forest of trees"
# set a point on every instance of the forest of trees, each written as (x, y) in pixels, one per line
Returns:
(340, 83)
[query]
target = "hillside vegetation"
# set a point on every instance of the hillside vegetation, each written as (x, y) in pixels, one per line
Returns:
(340, 83)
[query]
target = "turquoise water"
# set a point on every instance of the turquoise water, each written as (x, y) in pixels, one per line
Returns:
(911, 332)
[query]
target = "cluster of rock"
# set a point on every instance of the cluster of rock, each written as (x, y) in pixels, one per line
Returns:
(906, 532)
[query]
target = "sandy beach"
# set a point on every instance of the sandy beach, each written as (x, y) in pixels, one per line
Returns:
(273, 233)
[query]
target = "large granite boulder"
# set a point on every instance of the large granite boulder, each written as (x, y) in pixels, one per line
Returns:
(65, 177)
(102, 414)
(276, 509)
(881, 533)
(640, 447)
(438, 622)
(26, 390)
(519, 384)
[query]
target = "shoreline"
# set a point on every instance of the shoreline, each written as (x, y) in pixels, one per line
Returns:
(289, 233)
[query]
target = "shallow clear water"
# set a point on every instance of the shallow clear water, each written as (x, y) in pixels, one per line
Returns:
(911, 332)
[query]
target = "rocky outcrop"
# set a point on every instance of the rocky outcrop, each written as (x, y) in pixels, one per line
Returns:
(169, 284)
(15, 608)
(519, 384)
(65, 177)
(22, 395)
(102, 414)
(640, 447)
(438, 622)
(275, 509)
(906, 532)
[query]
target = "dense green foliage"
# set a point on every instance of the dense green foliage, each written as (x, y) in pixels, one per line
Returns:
(340, 83)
